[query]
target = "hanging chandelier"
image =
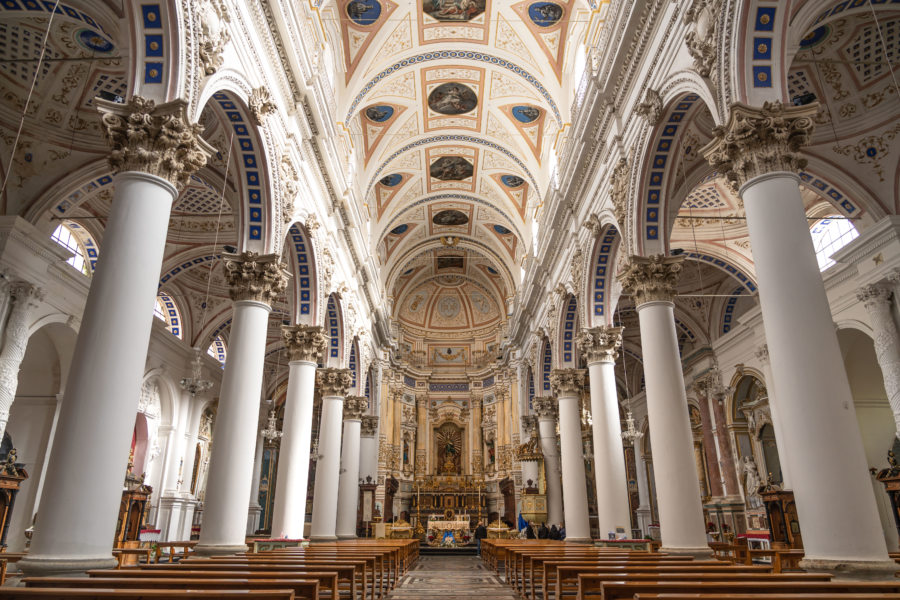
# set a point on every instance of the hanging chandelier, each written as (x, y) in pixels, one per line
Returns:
(271, 432)
(195, 384)
(631, 433)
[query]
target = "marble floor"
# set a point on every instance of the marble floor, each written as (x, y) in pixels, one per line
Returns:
(451, 578)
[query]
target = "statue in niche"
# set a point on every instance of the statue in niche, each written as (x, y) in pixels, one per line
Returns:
(491, 452)
(751, 480)
(449, 448)
(405, 452)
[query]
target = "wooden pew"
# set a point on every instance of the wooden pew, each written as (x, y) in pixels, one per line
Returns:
(307, 589)
(186, 547)
(591, 586)
(115, 594)
(328, 580)
(824, 596)
(121, 554)
(626, 590)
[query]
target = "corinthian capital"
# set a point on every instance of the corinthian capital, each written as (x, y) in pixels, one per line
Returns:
(252, 276)
(566, 382)
(651, 278)
(333, 382)
(756, 141)
(369, 425)
(153, 138)
(25, 295)
(874, 295)
(545, 407)
(355, 406)
(304, 342)
(600, 344)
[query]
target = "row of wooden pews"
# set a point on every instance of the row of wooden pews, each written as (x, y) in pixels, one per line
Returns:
(552, 570)
(347, 570)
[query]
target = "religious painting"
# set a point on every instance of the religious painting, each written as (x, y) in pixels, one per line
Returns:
(391, 180)
(448, 440)
(400, 229)
(363, 12)
(526, 114)
(451, 168)
(450, 218)
(450, 262)
(379, 113)
(453, 10)
(452, 99)
(545, 14)
(512, 181)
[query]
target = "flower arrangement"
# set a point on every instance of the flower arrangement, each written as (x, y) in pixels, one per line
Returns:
(465, 539)
(430, 538)
(711, 527)
(726, 527)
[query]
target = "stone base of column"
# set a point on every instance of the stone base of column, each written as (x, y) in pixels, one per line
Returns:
(570, 540)
(861, 570)
(216, 550)
(35, 566)
(253, 518)
(322, 538)
(703, 552)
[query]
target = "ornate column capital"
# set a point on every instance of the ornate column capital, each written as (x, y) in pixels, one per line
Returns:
(369, 425)
(545, 407)
(304, 342)
(529, 424)
(25, 295)
(874, 296)
(651, 278)
(333, 382)
(422, 401)
(354, 407)
(600, 344)
(252, 276)
(756, 141)
(567, 382)
(153, 138)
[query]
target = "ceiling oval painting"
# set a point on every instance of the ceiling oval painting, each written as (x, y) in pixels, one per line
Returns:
(363, 12)
(400, 229)
(545, 14)
(512, 181)
(452, 99)
(379, 113)
(391, 180)
(451, 168)
(453, 10)
(526, 114)
(450, 218)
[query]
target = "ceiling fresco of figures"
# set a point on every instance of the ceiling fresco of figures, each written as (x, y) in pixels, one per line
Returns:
(457, 106)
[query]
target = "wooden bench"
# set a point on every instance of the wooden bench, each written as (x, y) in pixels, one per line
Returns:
(825, 596)
(121, 555)
(116, 594)
(592, 586)
(349, 571)
(307, 589)
(186, 547)
(626, 590)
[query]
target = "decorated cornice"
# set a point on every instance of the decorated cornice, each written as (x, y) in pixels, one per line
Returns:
(333, 382)
(566, 382)
(155, 139)
(651, 278)
(756, 141)
(304, 342)
(252, 276)
(369, 425)
(354, 407)
(600, 344)
(545, 407)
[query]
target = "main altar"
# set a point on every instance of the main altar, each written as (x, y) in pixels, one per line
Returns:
(448, 508)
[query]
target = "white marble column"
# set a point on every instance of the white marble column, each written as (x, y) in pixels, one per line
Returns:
(599, 345)
(878, 302)
(546, 410)
(567, 385)
(651, 283)
(255, 283)
(348, 490)
(254, 509)
(758, 151)
(80, 504)
(762, 354)
(368, 448)
(333, 384)
(305, 345)
(25, 299)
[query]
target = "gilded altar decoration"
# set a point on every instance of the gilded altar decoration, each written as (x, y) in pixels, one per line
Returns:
(449, 447)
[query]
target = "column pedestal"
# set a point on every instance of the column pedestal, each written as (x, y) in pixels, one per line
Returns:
(333, 384)
(567, 383)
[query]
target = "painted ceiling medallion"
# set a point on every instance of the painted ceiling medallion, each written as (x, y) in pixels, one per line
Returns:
(450, 217)
(451, 168)
(399, 229)
(526, 114)
(452, 99)
(391, 180)
(450, 262)
(379, 113)
(545, 14)
(364, 12)
(93, 41)
(501, 230)
(512, 181)
(453, 10)
(815, 37)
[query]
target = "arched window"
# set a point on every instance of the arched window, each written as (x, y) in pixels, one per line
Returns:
(166, 311)
(217, 349)
(830, 235)
(79, 242)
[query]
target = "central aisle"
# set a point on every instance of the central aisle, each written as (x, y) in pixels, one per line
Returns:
(449, 578)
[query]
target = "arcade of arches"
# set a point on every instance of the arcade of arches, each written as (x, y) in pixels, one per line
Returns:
(341, 268)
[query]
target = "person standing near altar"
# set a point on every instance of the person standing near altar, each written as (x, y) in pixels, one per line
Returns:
(480, 534)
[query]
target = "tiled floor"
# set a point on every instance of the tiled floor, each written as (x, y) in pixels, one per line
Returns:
(451, 578)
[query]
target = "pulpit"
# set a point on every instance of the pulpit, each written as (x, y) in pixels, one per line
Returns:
(366, 512)
(132, 510)
(784, 526)
(11, 477)
(890, 478)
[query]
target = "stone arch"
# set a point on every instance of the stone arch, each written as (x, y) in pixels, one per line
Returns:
(354, 363)
(301, 259)
(545, 365)
(569, 323)
(602, 277)
(334, 329)
(158, 49)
